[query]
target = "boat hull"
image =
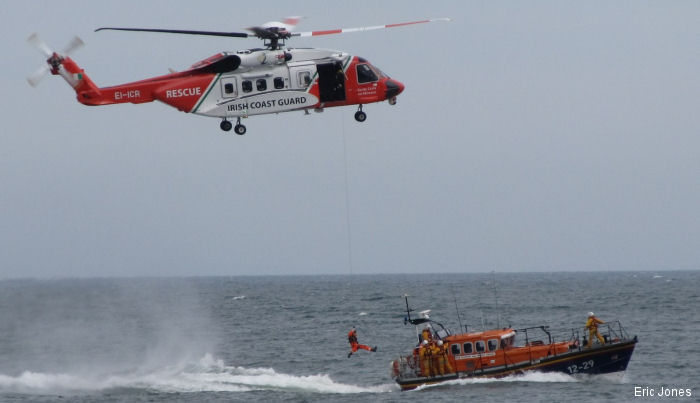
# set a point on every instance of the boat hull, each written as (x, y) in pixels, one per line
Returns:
(604, 359)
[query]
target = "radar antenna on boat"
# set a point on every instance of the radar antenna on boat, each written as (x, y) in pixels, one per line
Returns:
(407, 318)
(459, 317)
(495, 296)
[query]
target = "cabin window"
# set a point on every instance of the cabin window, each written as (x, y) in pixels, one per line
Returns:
(247, 85)
(468, 348)
(365, 74)
(229, 87)
(279, 83)
(480, 346)
(493, 345)
(261, 84)
(455, 349)
(304, 78)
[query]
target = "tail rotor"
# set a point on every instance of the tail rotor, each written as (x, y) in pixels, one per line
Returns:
(39, 45)
(38, 75)
(73, 45)
(53, 59)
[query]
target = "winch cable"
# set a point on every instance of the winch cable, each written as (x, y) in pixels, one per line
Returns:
(347, 202)
(348, 230)
(357, 320)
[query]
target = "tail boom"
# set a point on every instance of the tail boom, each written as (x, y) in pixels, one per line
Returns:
(179, 90)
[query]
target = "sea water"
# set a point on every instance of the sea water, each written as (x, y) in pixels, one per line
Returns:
(284, 338)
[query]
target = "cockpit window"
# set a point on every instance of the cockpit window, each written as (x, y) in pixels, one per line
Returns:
(493, 345)
(508, 341)
(365, 74)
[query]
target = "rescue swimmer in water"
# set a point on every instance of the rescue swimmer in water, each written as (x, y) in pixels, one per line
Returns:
(354, 345)
(592, 326)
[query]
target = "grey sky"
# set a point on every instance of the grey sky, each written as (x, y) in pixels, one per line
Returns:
(532, 136)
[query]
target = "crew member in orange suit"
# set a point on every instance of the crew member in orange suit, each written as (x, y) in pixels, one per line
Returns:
(425, 355)
(354, 345)
(592, 326)
(444, 365)
(437, 369)
(426, 334)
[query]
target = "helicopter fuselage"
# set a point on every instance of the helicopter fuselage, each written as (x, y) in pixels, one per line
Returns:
(254, 82)
(249, 82)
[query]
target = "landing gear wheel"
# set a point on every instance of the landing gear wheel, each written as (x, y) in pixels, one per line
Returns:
(225, 125)
(360, 116)
(239, 129)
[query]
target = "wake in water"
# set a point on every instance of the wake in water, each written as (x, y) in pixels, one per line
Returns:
(208, 375)
(533, 377)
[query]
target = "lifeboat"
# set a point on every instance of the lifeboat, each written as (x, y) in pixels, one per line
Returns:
(441, 355)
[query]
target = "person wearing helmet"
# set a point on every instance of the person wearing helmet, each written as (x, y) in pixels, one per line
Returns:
(438, 360)
(425, 354)
(443, 363)
(354, 345)
(592, 326)
(426, 334)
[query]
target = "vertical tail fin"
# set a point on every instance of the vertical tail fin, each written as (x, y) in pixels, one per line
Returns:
(60, 64)
(88, 93)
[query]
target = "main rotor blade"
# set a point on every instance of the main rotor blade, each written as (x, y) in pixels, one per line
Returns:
(360, 29)
(178, 31)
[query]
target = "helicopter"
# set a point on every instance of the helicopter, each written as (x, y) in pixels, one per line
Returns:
(235, 85)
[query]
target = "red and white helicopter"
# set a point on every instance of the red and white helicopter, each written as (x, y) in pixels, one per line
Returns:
(248, 82)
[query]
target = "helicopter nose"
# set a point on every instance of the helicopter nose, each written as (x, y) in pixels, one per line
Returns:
(393, 88)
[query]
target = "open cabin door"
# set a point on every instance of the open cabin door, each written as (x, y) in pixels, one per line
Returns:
(331, 81)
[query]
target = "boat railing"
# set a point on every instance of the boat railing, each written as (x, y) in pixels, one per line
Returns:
(612, 332)
(406, 367)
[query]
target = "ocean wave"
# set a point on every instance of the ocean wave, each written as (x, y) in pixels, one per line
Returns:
(207, 375)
